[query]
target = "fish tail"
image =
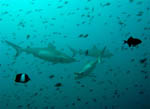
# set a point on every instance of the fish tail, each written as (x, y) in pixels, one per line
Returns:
(16, 47)
(125, 41)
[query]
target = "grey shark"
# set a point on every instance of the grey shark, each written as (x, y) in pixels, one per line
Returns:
(92, 52)
(48, 53)
(89, 67)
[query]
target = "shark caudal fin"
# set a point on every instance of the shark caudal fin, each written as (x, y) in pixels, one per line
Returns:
(99, 59)
(16, 47)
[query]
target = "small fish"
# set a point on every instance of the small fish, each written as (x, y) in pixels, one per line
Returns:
(107, 4)
(143, 60)
(86, 35)
(131, 1)
(81, 35)
(51, 76)
(58, 84)
(86, 53)
(132, 41)
(28, 36)
(22, 78)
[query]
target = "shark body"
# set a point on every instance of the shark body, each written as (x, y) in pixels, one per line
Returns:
(89, 67)
(48, 53)
(92, 52)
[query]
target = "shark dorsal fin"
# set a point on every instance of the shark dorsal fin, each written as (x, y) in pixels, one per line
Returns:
(51, 46)
(94, 48)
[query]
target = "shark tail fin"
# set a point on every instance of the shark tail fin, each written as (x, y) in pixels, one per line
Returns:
(99, 59)
(16, 47)
(74, 52)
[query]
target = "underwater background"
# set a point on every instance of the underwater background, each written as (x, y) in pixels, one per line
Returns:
(121, 81)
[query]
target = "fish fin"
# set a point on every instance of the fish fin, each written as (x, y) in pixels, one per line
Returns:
(74, 52)
(131, 37)
(125, 41)
(107, 54)
(94, 47)
(16, 47)
(103, 51)
(51, 46)
(101, 55)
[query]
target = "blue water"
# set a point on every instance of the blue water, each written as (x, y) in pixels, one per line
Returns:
(121, 82)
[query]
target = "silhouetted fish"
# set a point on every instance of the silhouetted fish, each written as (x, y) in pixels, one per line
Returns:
(58, 84)
(133, 41)
(28, 36)
(22, 78)
(86, 53)
(83, 36)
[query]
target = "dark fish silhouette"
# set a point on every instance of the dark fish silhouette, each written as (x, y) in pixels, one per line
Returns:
(49, 53)
(86, 35)
(22, 78)
(51, 76)
(133, 41)
(86, 53)
(58, 84)
(28, 36)
(83, 36)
